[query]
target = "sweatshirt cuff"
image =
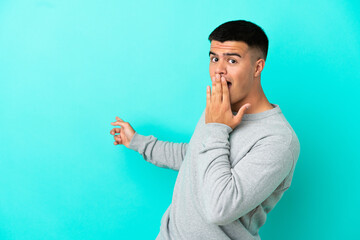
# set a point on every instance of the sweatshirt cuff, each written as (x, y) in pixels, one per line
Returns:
(218, 130)
(217, 135)
(137, 142)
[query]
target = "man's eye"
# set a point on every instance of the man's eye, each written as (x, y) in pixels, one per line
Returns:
(232, 61)
(213, 59)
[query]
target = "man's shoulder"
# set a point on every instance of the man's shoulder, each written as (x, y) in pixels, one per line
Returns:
(272, 130)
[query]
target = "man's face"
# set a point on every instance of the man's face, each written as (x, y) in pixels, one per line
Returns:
(236, 62)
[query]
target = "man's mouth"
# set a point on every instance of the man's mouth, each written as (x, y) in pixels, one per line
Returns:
(229, 84)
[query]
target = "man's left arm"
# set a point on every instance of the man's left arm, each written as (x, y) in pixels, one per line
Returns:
(228, 193)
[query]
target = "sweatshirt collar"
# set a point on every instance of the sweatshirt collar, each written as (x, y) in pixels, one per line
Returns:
(260, 115)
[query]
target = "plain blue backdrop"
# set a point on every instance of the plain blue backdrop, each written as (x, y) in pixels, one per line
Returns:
(67, 68)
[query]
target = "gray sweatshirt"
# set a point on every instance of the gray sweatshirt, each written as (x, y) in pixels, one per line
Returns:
(228, 180)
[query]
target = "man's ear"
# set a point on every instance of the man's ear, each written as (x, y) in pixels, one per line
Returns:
(259, 66)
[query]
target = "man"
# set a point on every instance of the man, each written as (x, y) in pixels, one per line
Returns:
(237, 165)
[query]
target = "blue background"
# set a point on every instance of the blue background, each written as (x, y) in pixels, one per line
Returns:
(67, 68)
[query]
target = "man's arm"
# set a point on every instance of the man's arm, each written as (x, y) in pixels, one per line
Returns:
(160, 153)
(228, 192)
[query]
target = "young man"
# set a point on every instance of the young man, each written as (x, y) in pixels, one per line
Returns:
(237, 165)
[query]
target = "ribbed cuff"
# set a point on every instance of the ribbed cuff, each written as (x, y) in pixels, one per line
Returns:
(136, 143)
(216, 136)
(218, 130)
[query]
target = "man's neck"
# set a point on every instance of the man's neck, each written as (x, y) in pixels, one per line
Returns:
(259, 103)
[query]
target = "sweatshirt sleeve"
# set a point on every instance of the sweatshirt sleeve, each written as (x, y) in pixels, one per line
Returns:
(228, 192)
(160, 153)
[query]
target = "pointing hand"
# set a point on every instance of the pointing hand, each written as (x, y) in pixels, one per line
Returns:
(126, 132)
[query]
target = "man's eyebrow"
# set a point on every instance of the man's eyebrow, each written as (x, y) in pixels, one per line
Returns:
(226, 54)
(212, 53)
(232, 54)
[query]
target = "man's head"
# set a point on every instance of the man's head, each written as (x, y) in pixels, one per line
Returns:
(238, 52)
(242, 31)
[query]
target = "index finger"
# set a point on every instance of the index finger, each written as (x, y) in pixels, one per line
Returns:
(118, 123)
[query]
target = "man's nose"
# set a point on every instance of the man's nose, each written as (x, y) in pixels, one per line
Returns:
(220, 68)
